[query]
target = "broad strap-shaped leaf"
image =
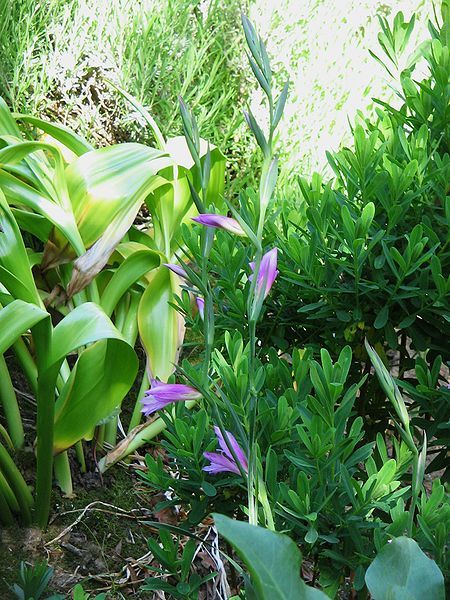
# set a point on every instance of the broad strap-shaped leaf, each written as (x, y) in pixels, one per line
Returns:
(161, 327)
(100, 379)
(272, 559)
(32, 222)
(20, 194)
(102, 376)
(105, 183)
(17, 318)
(132, 268)
(15, 271)
(402, 570)
(87, 266)
(45, 175)
(30, 161)
(8, 126)
(86, 324)
(71, 140)
(107, 188)
(171, 204)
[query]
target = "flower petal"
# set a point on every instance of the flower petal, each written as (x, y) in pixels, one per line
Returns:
(220, 221)
(161, 394)
(237, 449)
(177, 269)
(267, 271)
(220, 463)
(201, 306)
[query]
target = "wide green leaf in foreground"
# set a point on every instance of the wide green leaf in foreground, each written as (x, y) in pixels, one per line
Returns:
(15, 270)
(272, 559)
(401, 571)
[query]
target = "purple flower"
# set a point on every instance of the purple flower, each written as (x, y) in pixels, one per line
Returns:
(161, 394)
(177, 269)
(224, 461)
(201, 306)
(267, 272)
(221, 222)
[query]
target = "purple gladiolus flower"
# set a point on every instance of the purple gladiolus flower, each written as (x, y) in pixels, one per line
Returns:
(201, 307)
(224, 461)
(267, 272)
(227, 223)
(177, 269)
(161, 394)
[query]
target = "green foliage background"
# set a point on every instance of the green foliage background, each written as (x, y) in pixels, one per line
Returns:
(57, 55)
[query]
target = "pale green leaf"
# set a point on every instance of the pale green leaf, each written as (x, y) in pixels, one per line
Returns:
(272, 559)
(99, 381)
(402, 570)
(161, 327)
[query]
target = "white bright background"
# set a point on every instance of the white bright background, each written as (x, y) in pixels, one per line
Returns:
(323, 47)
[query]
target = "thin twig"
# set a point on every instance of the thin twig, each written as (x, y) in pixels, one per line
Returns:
(121, 512)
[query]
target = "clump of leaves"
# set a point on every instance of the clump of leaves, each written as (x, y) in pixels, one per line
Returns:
(33, 582)
(175, 559)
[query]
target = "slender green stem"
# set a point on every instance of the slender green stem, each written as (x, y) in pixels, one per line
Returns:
(208, 327)
(27, 363)
(42, 335)
(6, 516)
(44, 446)
(9, 494)
(111, 431)
(62, 473)
(136, 416)
(17, 484)
(142, 435)
(414, 492)
(10, 406)
(6, 438)
(100, 438)
(79, 450)
(252, 482)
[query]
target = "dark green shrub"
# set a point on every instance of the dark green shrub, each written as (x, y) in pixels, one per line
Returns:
(367, 254)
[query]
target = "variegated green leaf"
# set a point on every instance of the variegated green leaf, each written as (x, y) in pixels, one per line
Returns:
(99, 381)
(161, 327)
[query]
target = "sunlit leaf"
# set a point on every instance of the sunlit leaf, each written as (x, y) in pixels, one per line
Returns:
(102, 376)
(161, 327)
(15, 271)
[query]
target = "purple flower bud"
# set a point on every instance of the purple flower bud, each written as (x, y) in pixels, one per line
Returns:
(221, 222)
(201, 307)
(223, 461)
(177, 269)
(161, 394)
(267, 272)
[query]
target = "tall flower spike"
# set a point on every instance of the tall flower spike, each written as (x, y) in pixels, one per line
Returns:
(161, 394)
(267, 272)
(220, 222)
(224, 461)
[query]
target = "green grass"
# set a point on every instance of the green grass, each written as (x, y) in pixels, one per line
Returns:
(57, 55)
(322, 46)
